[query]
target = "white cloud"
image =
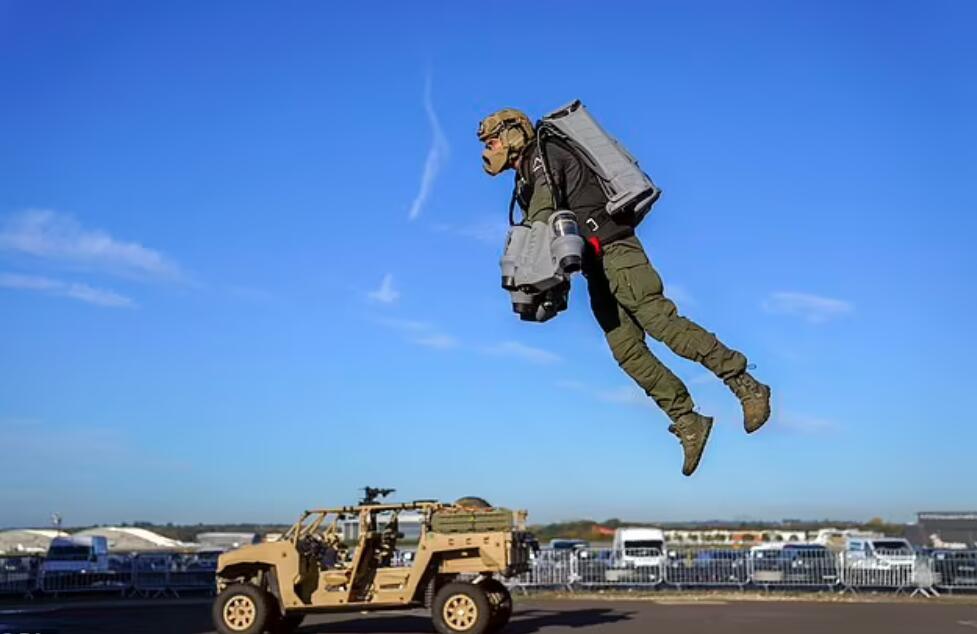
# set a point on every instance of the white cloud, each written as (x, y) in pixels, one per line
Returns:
(804, 423)
(680, 295)
(386, 294)
(59, 288)
(97, 296)
(408, 325)
(623, 395)
(812, 308)
(702, 378)
(488, 231)
(571, 384)
(437, 340)
(522, 351)
(60, 238)
(436, 155)
(421, 333)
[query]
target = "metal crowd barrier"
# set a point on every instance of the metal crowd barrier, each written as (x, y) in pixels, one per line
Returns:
(18, 575)
(156, 574)
(954, 570)
(708, 568)
(881, 570)
(793, 566)
(632, 568)
(57, 583)
(548, 569)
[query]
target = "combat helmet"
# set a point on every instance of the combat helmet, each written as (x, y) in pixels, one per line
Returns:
(513, 129)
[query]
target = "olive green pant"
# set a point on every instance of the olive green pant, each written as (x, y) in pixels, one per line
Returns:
(626, 295)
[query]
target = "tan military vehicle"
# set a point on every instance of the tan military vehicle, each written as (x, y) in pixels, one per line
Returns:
(461, 553)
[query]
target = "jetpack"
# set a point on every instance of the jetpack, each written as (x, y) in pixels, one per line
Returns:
(537, 264)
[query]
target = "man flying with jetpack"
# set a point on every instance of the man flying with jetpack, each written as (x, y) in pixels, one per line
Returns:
(582, 195)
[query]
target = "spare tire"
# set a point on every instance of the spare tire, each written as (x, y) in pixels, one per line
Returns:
(473, 502)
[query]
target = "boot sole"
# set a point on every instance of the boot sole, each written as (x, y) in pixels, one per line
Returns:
(750, 430)
(705, 441)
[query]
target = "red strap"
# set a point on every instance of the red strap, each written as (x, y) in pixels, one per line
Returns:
(595, 242)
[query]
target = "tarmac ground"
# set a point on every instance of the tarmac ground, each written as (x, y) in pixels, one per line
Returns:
(550, 616)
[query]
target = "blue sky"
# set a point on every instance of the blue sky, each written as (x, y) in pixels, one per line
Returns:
(249, 260)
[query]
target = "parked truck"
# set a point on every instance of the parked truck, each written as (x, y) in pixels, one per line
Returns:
(67, 555)
(637, 555)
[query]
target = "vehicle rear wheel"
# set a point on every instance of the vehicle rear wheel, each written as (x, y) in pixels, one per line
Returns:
(241, 608)
(461, 607)
(501, 602)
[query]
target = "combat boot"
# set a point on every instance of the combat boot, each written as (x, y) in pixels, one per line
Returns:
(755, 398)
(692, 430)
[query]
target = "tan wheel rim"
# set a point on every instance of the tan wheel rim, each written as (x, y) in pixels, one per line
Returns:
(460, 612)
(239, 613)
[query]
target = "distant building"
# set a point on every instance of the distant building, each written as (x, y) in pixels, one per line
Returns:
(27, 541)
(735, 538)
(125, 539)
(945, 529)
(226, 541)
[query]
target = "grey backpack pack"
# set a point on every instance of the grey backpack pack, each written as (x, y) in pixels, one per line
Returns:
(628, 188)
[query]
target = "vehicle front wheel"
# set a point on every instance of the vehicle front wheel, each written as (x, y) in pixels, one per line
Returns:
(501, 602)
(241, 609)
(461, 607)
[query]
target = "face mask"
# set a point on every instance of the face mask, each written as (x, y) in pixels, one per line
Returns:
(494, 162)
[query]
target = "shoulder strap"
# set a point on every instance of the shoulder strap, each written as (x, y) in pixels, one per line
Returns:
(559, 194)
(512, 207)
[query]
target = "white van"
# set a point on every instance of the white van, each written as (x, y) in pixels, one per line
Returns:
(638, 547)
(879, 553)
(76, 554)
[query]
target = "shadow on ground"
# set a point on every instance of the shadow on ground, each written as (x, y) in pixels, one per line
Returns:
(195, 619)
(523, 622)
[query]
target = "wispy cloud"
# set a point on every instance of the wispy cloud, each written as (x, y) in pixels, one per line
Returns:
(519, 350)
(436, 155)
(437, 341)
(488, 231)
(60, 238)
(812, 308)
(406, 325)
(630, 395)
(625, 395)
(386, 294)
(702, 378)
(72, 290)
(421, 333)
(805, 423)
(680, 295)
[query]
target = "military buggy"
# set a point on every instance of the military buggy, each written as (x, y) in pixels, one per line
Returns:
(462, 551)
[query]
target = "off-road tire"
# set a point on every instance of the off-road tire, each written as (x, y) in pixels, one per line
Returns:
(501, 601)
(242, 608)
(461, 608)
